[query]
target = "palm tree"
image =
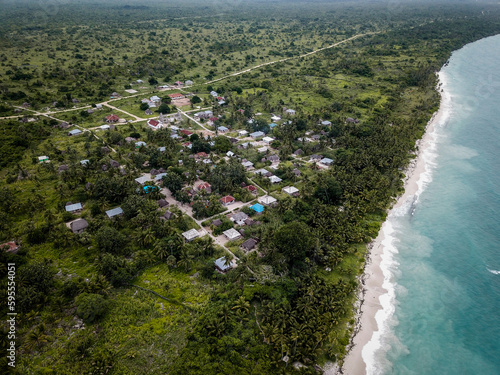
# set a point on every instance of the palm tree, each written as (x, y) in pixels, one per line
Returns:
(161, 249)
(186, 259)
(36, 337)
(242, 305)
(171, 261)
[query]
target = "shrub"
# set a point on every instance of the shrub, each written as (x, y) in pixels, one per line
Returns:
(91, 307)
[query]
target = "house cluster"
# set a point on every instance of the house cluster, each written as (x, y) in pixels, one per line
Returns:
(152, 102)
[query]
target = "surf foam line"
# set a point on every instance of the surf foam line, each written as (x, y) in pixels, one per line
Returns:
(419, 174)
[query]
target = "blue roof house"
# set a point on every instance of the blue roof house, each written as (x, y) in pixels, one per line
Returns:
(257, 207)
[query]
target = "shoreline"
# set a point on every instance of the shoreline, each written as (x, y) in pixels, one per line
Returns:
(371, 282)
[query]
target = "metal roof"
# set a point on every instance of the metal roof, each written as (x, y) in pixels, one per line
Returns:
(114, 212)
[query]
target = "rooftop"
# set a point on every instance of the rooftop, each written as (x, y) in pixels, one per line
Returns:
(73, 207)
(114, 212)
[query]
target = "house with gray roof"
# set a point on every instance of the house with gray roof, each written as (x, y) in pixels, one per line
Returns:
(222, 266)
(190, 235)
(258, 134)
(78, 226)
(232, 234)
(239, 218)
(114, 212)
(74, 132)
(249, 244)
(326, 161)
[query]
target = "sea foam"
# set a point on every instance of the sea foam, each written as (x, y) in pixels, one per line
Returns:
(374, 352)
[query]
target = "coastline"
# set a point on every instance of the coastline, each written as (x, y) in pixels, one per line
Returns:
(370, 305)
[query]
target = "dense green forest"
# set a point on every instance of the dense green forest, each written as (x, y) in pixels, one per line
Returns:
(131, 294)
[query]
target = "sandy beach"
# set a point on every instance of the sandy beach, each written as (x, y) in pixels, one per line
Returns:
(373, 278)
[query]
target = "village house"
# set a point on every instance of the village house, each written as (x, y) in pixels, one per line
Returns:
(222, 266)
(105, 127)
(275, 118)
(216, 223)
(143, 179)
(190, 235)
(203, 186)
(232, 234)
(162, 203)
(78, 226)
(242, 133)
(290, 112)
(326, 161)
(256, 135)
(247, 164)
(239, 218)
(273, 158)
(176, 96)
(298, 152)
(248, 245)
(154, 124)
(291, 190)
(227, 200)
(10, 247)
(63, 168)
(114, 212)
(267, 200)
(189, 83)
(314, 158)
(268, 140)
(74, 132)
(275, 179)
(252, 189)
(326, 123)
(140, 144)
(257, 207)
(167, 215)
(262, 172)
(222, 129)
(204, 114)
(159, 177)
(74, 208)
(114, 163)
(112, 118)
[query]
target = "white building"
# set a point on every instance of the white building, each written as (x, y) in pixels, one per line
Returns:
(232, 234)
(190, 235)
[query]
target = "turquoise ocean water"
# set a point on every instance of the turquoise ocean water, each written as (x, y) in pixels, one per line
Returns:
(442, 247)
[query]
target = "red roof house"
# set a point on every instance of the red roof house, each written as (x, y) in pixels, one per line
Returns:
(213, 119)
(153, 123)
(112, 118)
(202, 154)
(227, 200)
(251, 188)
(176, 96)
(186, 132)
(10, 247)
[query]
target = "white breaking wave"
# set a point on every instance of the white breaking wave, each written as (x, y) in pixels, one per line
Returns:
(494, 272)
(374, 352)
